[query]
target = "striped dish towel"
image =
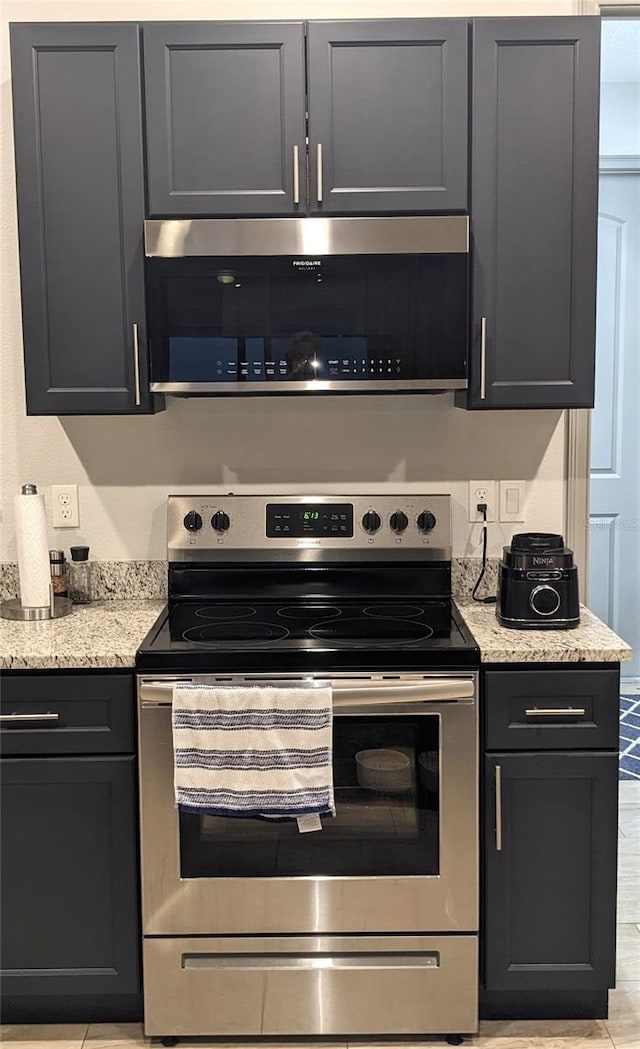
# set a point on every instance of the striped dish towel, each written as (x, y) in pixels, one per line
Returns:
(253, 752)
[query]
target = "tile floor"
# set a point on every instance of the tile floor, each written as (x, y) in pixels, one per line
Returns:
(629, 729)
(620, 1031)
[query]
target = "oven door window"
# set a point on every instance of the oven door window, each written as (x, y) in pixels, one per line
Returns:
(387, 792)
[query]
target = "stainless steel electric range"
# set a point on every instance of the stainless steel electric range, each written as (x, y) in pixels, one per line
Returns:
(369, 926)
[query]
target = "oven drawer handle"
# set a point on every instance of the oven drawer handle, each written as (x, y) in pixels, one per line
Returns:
(248, 962)
(357, 695)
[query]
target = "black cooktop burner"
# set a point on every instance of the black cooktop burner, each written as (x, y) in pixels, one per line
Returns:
(310, 612)
(236, 632)
(393, 611)
(225, 612)
(363, 631)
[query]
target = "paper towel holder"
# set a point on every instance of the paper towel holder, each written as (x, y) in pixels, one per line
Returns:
(57, 607)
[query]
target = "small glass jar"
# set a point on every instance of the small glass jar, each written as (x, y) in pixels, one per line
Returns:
(80, 575)
(57, 568)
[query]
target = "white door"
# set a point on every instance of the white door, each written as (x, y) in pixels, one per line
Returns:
(614, 534)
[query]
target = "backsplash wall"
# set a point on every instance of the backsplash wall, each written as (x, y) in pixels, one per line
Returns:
(125, 466)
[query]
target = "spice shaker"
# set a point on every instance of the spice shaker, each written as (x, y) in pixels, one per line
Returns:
(57, 565)
(80, 575)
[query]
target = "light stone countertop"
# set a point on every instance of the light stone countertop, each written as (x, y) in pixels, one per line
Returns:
(591, 642)
(103, 634)
(108, 633)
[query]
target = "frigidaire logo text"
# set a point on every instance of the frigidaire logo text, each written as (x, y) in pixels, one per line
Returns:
(543, 560)
(306, 263)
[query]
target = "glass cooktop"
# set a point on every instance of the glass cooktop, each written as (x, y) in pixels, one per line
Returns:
(206, 634)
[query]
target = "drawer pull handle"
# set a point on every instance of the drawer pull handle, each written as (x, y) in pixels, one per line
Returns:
(29, 717)
(555, 712)
(498, 771)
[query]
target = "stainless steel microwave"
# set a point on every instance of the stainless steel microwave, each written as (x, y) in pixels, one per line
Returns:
(311, 305)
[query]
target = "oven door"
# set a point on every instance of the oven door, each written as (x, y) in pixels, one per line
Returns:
(401, 854)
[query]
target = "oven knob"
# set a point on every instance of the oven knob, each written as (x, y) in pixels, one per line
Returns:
(371, 521)
(398, 521)
(220, 521)
(192, 521)
(426, 521)
(544, 600)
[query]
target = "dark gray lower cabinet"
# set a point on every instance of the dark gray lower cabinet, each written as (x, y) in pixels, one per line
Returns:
(79, 172)
(550, 871)
(534, 162)
(549, 833)
(70, 924)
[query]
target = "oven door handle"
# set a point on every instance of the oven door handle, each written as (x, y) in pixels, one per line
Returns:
(370, 694)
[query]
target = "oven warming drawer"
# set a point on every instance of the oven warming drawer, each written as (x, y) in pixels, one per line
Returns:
(363, 985)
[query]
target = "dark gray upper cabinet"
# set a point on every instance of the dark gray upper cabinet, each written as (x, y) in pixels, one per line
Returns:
(388, 115)
(226, 131)
(534, 212)
(225, 117)
(79, 169)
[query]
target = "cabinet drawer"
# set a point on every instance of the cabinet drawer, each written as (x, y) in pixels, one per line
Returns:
(551, 709)
(80, 714)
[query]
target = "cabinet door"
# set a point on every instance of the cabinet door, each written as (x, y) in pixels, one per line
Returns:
(79, 170)
(550, 883)
(70, 921)
(388, 115)
(534, 212)
(225, 118)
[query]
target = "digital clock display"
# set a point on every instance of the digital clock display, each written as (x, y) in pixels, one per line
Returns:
(300, 521)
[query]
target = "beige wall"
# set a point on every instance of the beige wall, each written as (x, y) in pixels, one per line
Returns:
(126, 466)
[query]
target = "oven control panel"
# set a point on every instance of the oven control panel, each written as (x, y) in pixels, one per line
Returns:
(303, 521)
(307, 527)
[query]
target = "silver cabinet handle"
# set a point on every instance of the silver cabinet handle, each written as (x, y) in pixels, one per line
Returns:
(483, 358)
(296, 175)
(136, 363)
(555, 712)
(319, 171)
(498, 808)
(29, 717)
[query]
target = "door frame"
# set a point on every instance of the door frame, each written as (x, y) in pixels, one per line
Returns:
(578, 420)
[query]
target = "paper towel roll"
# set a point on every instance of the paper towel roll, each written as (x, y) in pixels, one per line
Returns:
(33, 548)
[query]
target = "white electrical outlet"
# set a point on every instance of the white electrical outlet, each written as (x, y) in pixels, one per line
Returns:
(482, 492)
(64, 506)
